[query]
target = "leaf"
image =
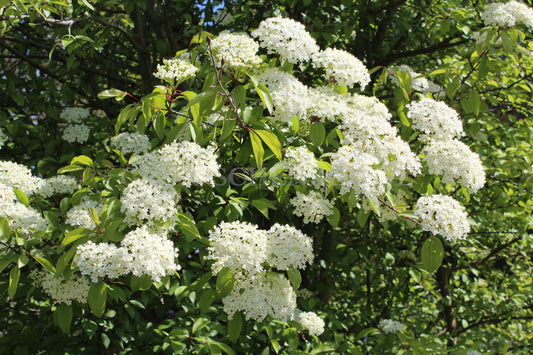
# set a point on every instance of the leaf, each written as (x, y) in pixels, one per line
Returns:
(47, 265)
(206, 299)
(21, 196)
(188, 227)
(262, 91)
(235, 327)
(74, 235)
(432, 254)
(82, 160)
(199, 324)
(334, 218)
(258, 149)
(63, 315)
(403, 119)
(227, 128)
(508, 41)
(159, 121)
(97, 298)
(271, 140)
(295, 277)
(69, 168)
(317, 133)
(117, 94)
(14, 276)
(140, 282)
(365, 332)
(362, 217)
(225, 282)
(374, 202)
(5, 230)
(263, 205)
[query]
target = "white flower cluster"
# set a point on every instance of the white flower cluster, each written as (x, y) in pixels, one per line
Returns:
(507, 14)
(145, 202)
(455, 162)
(343, 67)
(131, 143)
(288, 247)
(391, 326)
(79, 215)
(312, 207)
(19, 216)
(355, 172)
(179, 162)
(300, 163)
(418, 82)
(19, 177)
(57, 185)
(141, 253)
(176, 70)
(287, 38)
(289, 96)
(441, 214)
(267, 294)
(61, 290)
(74, 114)
(238, 50)
(76, 133)
(311, 322)
(435, 119)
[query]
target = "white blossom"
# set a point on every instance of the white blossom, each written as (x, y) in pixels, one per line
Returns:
(288, 247)
(343, 67)
(300, 163)
(102, 260)
(435, 119)
(57, 185)
(131, 143)
(175, 70)
(391, 326)
(238, 50)
(312, 207)
(76, 133)
(287, 38)
(79, 215)
(521, 12)
(19, 216)
(19, 177)
(60, 290)
(441, 214)
(311, 322)
(74, 114)
(507, 14)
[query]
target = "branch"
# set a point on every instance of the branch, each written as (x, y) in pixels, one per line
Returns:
(447, 43)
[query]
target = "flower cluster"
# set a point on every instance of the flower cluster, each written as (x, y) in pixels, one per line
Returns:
(343, 67)
(141, 253)
(287, 38)
(312, 207)
(288, 247)
(441, 214)
(19, 177)
(74, 114)
(57, 185)
(238, 50)
(19, 216)
(149, 203)
(79, 215)
(435, 119)
(175, 70)
(179, 162)
(455, 162)
(61, 290)
(300, 163)
(508, 14)
(131, 143)
(76, 133)
(391, 326)
(311, 321)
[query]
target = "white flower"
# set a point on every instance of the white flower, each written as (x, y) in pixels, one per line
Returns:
(300, 163)
(391, 326)
(521, 12)
(76, 133)
(102, 260)
(19, 177)
(79, 215)
(74, 114)
(454, 161)
(343, 67)
(149, 203)
(60, 290)
(441, 214)
(238, 50)
(288, 247)
(436, 119)
(287, 38)
(507, 15)
(176, 70)
(179, 162)
(19, 216)
(312, 207)
(57, 185)
(239, 246)
(131, 143)
(310, 321)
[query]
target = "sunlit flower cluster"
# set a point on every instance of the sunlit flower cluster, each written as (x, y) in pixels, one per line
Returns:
(507, 14)
(454, 161)
(288, 247)
(391, 326)
(311, 322)
(287, 38)
(74, 114)
(441, 214)
(19, 216)
(342, 67)
(76, 133)
(19, 177)
(238, 50)
(57, 185)
(179, 162)
(435, 119)
(102, 260)
(312, 206)
(300, 163)
(60, 290)
(80, 216)
(131, 143)
(175, 70)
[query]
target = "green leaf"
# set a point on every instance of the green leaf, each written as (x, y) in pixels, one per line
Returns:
(334, 218)
(324, 165)
(235, 327)
(97, 298)
(188, 227)
(317, 133)
(262, 91)
(271, 140)
(258, 149)
(374, 202)
(508, 41)
(403, 119)
(140, 282)
(206, 299)
(63, 315)
(199, 324)
(295, 277)
(14, 276)
(5, 230)
(225, 282)
(365, 332)
(69, 168)
(432, 254)
(82, 160)
(263, 205)
(227, 128)
(105, 340)
(362, 217)
(117, 94)
(21, 196)
(159, 121)
(74, 235)
(200, 283)
(47, 265)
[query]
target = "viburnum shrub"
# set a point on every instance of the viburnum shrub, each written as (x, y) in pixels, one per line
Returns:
(204, 198)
